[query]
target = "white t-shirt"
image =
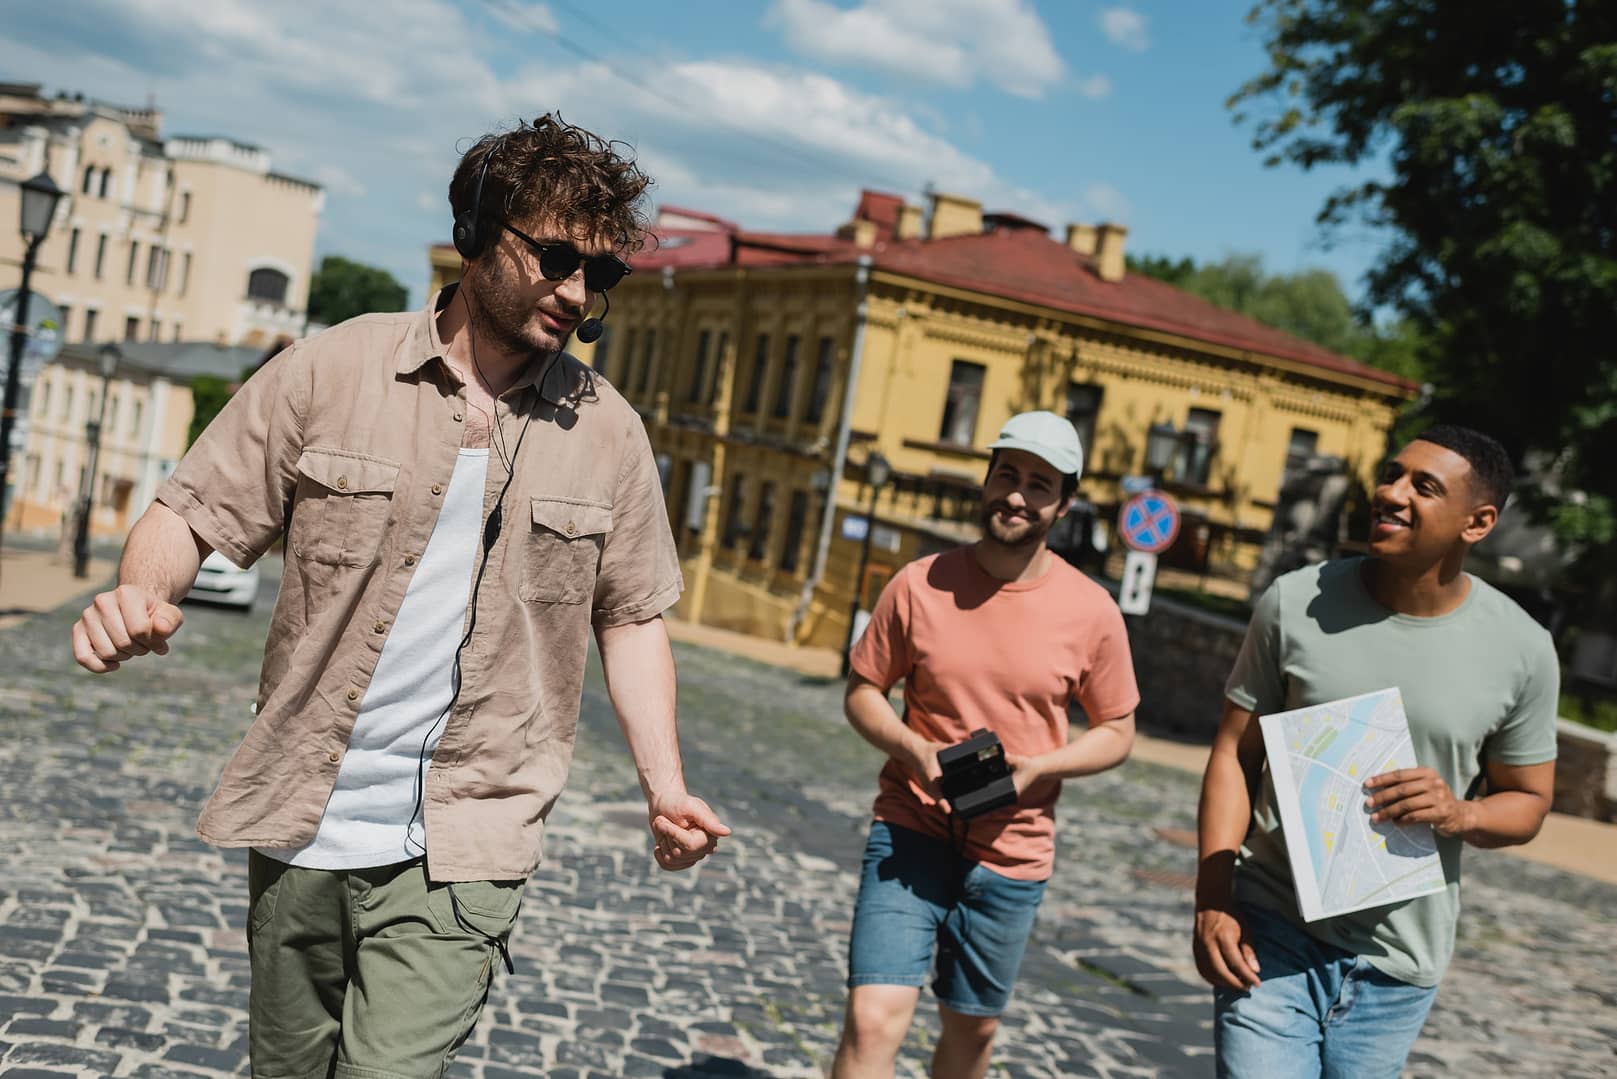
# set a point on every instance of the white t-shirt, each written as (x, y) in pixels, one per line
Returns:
(397, 728)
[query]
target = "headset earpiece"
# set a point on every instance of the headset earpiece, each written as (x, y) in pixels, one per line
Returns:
(468, 232)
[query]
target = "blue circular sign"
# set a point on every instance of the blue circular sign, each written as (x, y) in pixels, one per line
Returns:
(1149, 522)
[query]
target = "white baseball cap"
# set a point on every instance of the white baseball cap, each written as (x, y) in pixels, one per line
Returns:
(1046, 436)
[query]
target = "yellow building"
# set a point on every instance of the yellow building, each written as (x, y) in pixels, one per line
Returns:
(739, 348)
(171, 238)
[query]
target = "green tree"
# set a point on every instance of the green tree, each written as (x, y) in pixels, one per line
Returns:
(342, 288)
(208, 397)
(1494, 122)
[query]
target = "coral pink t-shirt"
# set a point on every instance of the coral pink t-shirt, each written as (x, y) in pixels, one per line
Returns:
(975, 651)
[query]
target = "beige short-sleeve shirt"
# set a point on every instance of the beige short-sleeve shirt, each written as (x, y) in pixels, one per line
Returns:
(346, 443)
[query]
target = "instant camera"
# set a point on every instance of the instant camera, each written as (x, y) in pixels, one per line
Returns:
(975, 777)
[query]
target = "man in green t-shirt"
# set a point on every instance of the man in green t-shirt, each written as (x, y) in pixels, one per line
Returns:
(1347, 995)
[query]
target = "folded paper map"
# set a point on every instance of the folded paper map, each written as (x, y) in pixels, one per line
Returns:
(1320, 757)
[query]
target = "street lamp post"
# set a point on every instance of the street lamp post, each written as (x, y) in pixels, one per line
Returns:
(39, 198)
(877, 472)
(108, 359)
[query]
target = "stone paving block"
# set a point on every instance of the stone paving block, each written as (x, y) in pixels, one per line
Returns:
(33, 1026)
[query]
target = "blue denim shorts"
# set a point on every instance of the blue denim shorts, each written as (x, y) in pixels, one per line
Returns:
(917, 897)
(1320, 1013)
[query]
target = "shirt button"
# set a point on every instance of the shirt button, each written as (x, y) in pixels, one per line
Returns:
(459, 417)
(409, 560)
(342, 483)
(379, 627)
(570, 528)
(437, 488)
(353, 693)
(334, 756)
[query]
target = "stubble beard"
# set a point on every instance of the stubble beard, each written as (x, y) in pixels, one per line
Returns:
(509, 320)
(993, 531)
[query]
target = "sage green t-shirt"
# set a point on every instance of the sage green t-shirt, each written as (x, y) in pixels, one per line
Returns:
(1480, 683)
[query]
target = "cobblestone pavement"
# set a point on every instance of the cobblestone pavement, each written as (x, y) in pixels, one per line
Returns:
(122, 951)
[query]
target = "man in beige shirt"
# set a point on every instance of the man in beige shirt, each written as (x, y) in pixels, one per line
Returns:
(463, 503)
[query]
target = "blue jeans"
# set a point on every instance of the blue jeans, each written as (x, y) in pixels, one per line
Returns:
(1320, 1011)
(916, 895)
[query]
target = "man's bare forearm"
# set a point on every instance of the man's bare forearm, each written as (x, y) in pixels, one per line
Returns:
(1097, 748)
(639, 668)
(1504, 819)
(162, 554)
(871, 714)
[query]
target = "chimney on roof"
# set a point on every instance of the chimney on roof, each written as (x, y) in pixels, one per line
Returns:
(954, 215)
(909, 223)
(1081, 238)
(1109, 251)
(860, 231)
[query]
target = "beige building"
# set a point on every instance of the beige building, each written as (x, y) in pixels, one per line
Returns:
(143, 431)
(160, 238)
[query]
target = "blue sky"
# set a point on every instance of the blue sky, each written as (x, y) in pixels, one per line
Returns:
(773, 112)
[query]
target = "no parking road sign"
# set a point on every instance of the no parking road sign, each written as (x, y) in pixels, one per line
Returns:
(1149, 522)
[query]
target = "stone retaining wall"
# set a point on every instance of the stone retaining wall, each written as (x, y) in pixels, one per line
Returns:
(1182, 655)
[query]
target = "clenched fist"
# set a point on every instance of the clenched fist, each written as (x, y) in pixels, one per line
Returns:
(129, 621)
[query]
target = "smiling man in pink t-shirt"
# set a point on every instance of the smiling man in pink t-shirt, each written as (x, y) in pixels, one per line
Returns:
(1000, 634)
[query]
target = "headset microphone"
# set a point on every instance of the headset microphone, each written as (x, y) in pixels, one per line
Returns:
(589, 331)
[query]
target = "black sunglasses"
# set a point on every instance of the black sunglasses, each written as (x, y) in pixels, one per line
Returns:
(559, 260)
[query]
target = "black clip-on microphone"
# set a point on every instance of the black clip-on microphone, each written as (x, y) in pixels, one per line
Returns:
(589, 331)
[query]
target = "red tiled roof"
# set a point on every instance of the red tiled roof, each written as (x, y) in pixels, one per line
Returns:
(881, 210)
(1021, 262)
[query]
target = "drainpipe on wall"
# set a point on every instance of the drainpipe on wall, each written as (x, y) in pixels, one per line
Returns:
(839, 458)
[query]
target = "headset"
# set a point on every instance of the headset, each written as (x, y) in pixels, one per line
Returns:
(471, 239)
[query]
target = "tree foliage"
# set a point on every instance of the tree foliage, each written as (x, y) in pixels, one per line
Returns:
(208, 397)
(1497, 124)
(342, 288)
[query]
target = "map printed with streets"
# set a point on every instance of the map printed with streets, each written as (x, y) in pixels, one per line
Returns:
(1320, 757)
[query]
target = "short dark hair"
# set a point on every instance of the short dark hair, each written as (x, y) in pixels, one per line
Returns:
(1491, 470)
(552, 169)
(1069, 482)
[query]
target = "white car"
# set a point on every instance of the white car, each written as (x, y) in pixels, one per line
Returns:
(222, 581)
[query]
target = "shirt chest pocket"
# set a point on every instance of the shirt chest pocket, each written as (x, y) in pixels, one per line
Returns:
(341, 507)
(562, 550)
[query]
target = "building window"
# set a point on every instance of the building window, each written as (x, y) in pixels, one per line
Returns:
(154, 330)
(185, 206)
(67, 319)
(185, 273)
(89, 180)
(796, 518)
(788, 379)
(1195, 465)
(699, 376)
(758, 548)
(960, 406)
(132, 328)
(824, 365)
(100, 255)
(112, 414)
(1302, 446)
(134, 257)
(72, 250)
(106, 182)
(67, 403)
(732, 513)
(1083, 407)
(156, 269)
(176, 331)
(648, 358)
(760, 364)
(135, 416)
(42, 400)
(268, 285)
(718, 363)
(89, 324)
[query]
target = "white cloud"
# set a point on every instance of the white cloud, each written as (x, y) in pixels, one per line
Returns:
(1095, 87)
(524, 16)
(1103, 202)
(950, 42)
(1125, 27)
(378, 101)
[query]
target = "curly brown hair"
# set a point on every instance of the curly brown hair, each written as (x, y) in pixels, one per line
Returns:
(554, 171)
